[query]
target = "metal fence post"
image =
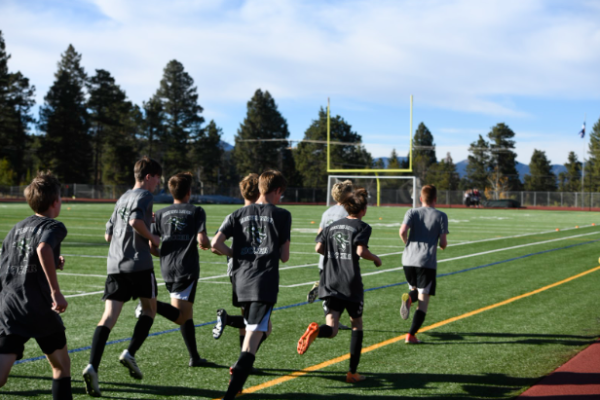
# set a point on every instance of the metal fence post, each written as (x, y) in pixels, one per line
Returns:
(548, 198)
(561, 199)
(534, 198)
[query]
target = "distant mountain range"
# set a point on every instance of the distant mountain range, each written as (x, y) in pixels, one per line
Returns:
(225, 146)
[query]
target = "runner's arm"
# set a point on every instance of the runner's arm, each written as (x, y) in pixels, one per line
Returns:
(219, 247)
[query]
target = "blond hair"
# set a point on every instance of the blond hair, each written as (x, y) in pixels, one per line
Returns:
(341, 190)
(249, 187)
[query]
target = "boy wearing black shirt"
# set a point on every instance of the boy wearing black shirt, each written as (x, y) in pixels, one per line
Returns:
(342, 244)
(30, 296)
(130, 271)
(261, 238)
(182, 228)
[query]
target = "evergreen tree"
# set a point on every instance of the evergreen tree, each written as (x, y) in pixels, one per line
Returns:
(540, 177)
(570, 180)
(260, 141)
(153, 127)
(183, 122)
(208, 154)
(592, 164)
(504, 159)
(311, 158)
(393, 163)
(64, 120)
(16, 100)
(120, 153)
(443, 174)
(479, 165)
(423, 151)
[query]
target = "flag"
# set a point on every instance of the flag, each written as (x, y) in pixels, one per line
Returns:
(582, 131)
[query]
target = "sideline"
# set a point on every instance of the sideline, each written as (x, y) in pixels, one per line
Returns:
(379, 345)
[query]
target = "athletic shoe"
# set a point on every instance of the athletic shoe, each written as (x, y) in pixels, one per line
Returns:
(197, 362)
(411, 339)
(138, 310)
(353, 378)
(221, 323)
(313, 293)
(343, 327)
(405, 307)
(128, 362)
(90, 377)
(309, 336)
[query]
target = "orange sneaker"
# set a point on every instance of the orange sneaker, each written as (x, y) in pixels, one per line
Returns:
(411, 339)
(309, 336)
(405, 307)
(353, 378)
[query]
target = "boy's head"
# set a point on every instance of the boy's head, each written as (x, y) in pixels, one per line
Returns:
(356, 202)
(270, 181)
(180, 185)
(341, 190)
(42, 192)
(146, 166)
(249, 187)
(428, 194)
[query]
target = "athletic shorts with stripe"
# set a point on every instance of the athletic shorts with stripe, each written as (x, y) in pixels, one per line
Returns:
(124, 287)
(422, 279)
(257, 315)
(183, 290)
(355, 310)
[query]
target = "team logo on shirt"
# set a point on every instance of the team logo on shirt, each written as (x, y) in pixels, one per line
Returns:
(342, 240)
(123, 213)
(178, 223)
(23, 246)
(257, 234)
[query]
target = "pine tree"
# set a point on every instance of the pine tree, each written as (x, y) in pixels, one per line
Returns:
(540, 177)
(479, 165)
(183, 122)
(311, 158)
(16, 100)
(153, 127)
(208, 154)
(65, 122)
(443, 174)
(504, 159)
(260, 140)
(592, 164)
(570, 180)
(423, 151)
(120, 148)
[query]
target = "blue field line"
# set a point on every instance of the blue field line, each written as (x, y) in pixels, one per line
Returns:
(27, 360)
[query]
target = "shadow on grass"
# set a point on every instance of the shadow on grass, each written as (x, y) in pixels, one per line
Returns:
(512, 338)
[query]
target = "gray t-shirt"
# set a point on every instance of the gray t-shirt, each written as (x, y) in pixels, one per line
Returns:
(25, 300)
(426, 226)
(332, 214)
(129, 252)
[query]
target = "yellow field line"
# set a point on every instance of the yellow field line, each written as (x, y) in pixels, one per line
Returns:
(376, 346)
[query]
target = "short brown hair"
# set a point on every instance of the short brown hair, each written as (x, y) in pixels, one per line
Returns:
(180, 184)
(42, 192)
(356, 201)
(249, 187)
(428, 193)
(145, 166)
(341, 190)
(270, 181)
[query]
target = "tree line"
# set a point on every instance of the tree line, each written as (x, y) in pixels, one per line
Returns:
(88, 131)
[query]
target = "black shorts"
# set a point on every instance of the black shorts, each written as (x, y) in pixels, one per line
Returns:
(424, 279)
(15, 344)
(234, 298)
(183, 290)
(124, 287)
(257, 315)
(355, 310)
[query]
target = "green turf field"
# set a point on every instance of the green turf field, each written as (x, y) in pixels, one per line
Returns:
(495, 353)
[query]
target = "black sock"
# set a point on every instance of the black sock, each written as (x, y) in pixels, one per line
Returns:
(355, 349)
(242, 337)
(61, 389)
(236, 321)
(262, 339)
(140, 333)
(417, 321)
(325, 331)
(241, 370)
(414, 295)
(168, 311)
(98, 343)
(188, 331)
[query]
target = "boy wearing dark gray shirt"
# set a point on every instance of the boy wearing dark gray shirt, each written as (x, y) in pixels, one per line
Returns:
(427, 226)
(130, 271)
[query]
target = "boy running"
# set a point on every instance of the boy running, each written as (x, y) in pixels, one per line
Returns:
(428, 226)
(339, 192)
(250, 193)
(342, 244)
(30, 297)
(182, 228)
(130, 271)
(261, 237)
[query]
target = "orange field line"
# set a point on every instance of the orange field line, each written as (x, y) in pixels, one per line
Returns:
(379, 345)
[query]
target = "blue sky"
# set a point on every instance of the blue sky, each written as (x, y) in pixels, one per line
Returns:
(469, 63)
